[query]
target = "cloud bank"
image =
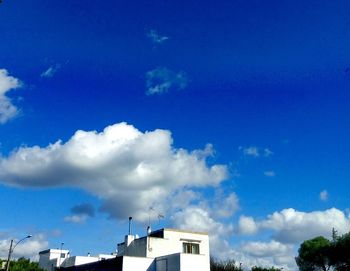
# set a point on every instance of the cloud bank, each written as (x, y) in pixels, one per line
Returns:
(126, 168)
(288, 228)
(28, 248)
(7, 109)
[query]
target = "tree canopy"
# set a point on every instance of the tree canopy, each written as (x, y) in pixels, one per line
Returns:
(320, 254)
(257, 268)
(23, 264)
(228, 265)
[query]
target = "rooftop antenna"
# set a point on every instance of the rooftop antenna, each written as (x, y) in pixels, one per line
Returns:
(149, 218)
(130, 218)
(160, 216)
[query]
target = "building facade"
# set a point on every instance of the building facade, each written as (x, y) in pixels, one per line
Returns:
(161, 250)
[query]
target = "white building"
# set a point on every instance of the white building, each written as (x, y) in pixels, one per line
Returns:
(161, 250)
(52, 258)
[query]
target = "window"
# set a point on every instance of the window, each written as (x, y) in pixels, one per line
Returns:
(63, 255)
(190, 248)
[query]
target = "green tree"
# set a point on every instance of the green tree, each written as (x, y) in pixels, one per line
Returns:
(315, 254)
(258, 268)
(23, 264)
(341, 253)
(228, 265)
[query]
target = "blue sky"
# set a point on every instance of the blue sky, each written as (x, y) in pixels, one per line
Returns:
(229, 117)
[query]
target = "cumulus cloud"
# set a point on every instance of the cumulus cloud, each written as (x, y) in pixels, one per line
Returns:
(29, 248)
(156, 38)
(51, 71)
(80, 213)
(119, 164)
(224, 206)
(7, 109)
(288, 229)
(324, 195)
(292, 226)
(275, 253)
(161, 80)
(247, 225)
(265, 249)
(199, 219)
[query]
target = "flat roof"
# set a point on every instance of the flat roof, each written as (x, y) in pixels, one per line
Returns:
(54, 250)
(168, 229)
(185, 231)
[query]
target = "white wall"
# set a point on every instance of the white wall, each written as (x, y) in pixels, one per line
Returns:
(190, 262)
(51, 258)
(173, 240)
(183, 262)
(137, 264)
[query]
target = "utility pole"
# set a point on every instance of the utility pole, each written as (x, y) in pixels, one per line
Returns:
(9, 256)
(11, 250)
(59, 259)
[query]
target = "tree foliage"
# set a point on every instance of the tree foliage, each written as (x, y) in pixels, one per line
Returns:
(228, 265)
(341, 253)
(23, 264)
(258, 268)
(321, 254)
(314, 255)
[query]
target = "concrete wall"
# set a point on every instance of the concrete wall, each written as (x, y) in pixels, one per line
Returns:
(183, 262)
(136, 248)
(49, 259)
(173, 243)
(138, 264)
(189, 262)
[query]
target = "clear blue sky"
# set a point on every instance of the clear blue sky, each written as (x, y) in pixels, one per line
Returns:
(265, 82)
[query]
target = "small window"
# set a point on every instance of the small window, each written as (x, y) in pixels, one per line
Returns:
(63, 255)
(190, 248)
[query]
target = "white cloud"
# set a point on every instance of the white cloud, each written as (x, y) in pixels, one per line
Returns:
(198, 219)
(251, 151)
(274, 253)
(255, 151)
(28, 248)
(269, 173)
(288, 229)
(50, 72)
(247, 225)
(156, 38)
(7, 109)
(183, 198)
(77, 219)
(291, 226)
(263, 249)
(162, 80)
(224, 206)
(129, 170)
(244, 254)
(324, 195)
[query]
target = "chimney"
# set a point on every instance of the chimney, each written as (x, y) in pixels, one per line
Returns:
(130, 218)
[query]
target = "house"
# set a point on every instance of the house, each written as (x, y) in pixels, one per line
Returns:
(52, 258)
(162, 250)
